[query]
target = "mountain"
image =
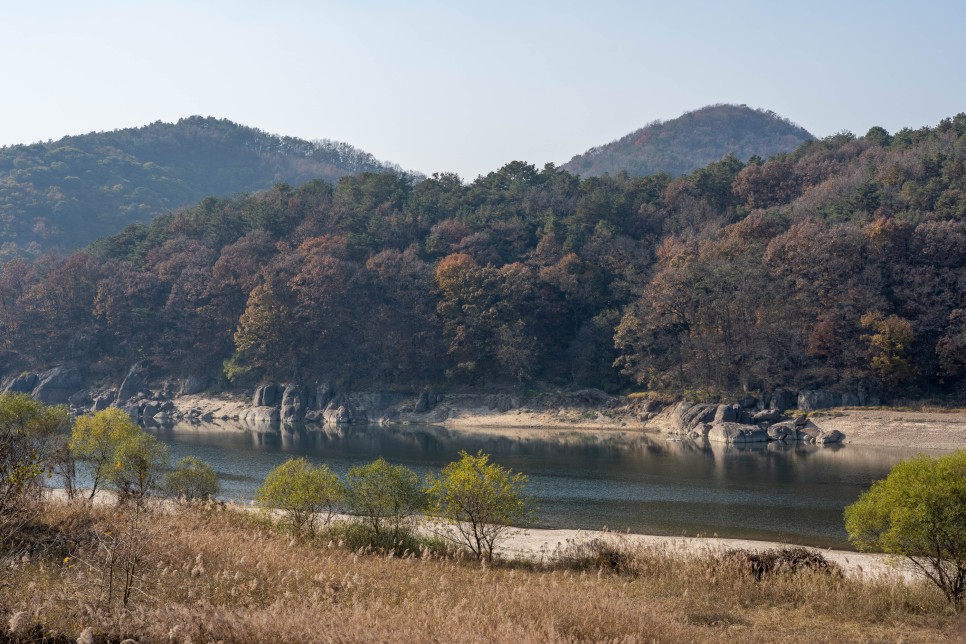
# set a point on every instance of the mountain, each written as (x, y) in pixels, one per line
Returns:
(61, 195)
(692, 141)
(836, 268)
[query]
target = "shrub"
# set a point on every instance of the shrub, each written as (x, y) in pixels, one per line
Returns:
(301, 492)
(192, 480)
(919, 512)
(385, 496)
(96, 438)
(480, 501)
(781, 561)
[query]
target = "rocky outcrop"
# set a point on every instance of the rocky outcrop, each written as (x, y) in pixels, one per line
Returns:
(133, 382)
(734, 433)
(784, 431)
(57, 385)
(687, 418)
(292, 408)
(767, 416)
(266, 396)
(193, 385)
(22, 384)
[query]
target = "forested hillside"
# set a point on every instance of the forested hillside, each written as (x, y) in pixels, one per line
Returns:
(64, 194)
(692, 141)
(840, 265)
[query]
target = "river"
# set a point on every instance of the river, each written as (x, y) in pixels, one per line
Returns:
(582, 478)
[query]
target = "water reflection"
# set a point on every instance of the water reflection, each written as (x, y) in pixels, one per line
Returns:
(585, 478)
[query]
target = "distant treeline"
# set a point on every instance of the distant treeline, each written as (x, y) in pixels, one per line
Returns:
(839, 264)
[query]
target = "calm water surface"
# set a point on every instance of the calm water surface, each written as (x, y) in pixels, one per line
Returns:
(585, 479)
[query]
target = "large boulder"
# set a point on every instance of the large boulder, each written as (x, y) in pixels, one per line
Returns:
(193, 385)
(782, 399)
(767, 416)
(22, 384)
(829, 436)
(266, 396)
(785, 431)
(812, 399)
(57, 385)
(737, 433)
(261, 415)
(292, 408)
(726, 414)
(133, 381)
(687, 417)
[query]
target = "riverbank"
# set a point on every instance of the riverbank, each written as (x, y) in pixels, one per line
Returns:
(217, 575)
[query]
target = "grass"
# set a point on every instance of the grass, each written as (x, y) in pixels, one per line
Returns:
(230, 576)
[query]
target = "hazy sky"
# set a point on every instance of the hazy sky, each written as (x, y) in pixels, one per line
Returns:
(467, 87)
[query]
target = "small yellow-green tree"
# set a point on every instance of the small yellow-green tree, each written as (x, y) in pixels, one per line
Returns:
(480, 501)
(95, 440)
(28, 430)
(139, 461)
(302, 492)
(192, 480)
(918, 512)
(385, 496)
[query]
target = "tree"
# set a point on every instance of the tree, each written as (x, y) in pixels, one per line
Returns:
(919, 512)
(301, 491)
(138, 462)
(385, 496)
(192, 479)
(28, 431)
(481, 500)
(95, 440)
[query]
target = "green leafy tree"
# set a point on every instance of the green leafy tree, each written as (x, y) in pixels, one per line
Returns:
(480, 500)
(95, 440)
(191, 480)
(139, 461)
(385, 496)
(301, 492)
(918, 512)
(28, 431)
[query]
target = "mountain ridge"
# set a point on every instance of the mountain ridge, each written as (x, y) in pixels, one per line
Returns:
(60, 195)
(691, 141)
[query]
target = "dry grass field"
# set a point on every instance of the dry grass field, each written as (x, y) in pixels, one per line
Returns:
(219, 575)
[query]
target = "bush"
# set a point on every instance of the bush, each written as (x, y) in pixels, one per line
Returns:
(301, 492)
(356, 535)
(96, 439)
(192, 480)
(385, 497)
(918, 512)
(480, 500)
(781, 561)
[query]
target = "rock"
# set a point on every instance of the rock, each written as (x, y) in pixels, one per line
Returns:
(150, 409)
(748, 402)
(784, 431)
(700, 431)
(782, 399)
(56, 385)
(422, 405)
(339, 412)
(324, 393)
(686, 417)
(829, 436)
(292, 409)
(726, 414)
(736, 433)
(266, 396)
(133, 381)
(133, 410)
(193, 385)
(800, 420)
(263, 414)
(313, 416)
(80, 398)
(168, 406)
(207, 416)
(102, 402)
(22, 384)
(746, 417)
(767, 416)
(810, 400)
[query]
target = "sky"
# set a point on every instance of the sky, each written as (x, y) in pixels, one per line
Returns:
(468, 86)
